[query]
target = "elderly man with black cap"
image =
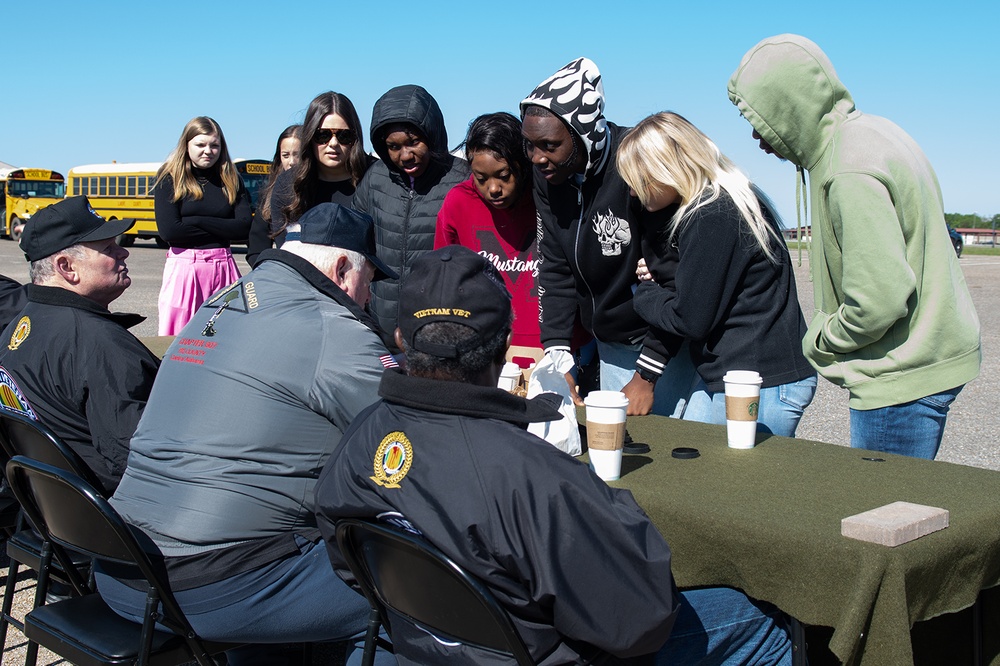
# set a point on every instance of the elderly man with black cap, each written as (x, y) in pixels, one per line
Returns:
(254, 394)
(68, 361)
(579, 566)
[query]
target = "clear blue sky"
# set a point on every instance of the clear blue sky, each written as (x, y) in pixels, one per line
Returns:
(102, 81)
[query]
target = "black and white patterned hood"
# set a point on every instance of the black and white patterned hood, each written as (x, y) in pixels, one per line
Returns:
(576, 94)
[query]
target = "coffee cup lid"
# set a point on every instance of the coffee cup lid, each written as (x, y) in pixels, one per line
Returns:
(606, 399)
(742, 377)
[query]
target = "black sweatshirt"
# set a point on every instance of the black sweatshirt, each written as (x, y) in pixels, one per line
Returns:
(209, 222)
(717, 289)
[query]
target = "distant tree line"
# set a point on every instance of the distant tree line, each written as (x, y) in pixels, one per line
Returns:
(972, 221)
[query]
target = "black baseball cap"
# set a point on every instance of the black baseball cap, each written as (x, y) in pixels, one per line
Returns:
(457, 285)
(334, 225)
(67, 223)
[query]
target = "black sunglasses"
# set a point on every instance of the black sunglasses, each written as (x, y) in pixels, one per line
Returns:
(345, 137)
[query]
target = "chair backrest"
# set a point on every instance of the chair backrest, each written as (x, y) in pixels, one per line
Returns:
(67, 510)
(20, 435)
(403, 572)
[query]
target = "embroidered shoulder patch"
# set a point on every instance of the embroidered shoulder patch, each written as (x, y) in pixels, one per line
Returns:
(20, 333)
(11, 396)
(392, 460)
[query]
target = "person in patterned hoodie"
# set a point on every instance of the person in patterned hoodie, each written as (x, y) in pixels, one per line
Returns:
(588, 239)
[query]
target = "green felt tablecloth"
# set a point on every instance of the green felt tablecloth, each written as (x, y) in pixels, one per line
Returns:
(767, 521)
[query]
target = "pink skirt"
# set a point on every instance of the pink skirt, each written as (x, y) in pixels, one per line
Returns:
(190, 277)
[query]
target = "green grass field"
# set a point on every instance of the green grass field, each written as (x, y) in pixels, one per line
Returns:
(977, 250)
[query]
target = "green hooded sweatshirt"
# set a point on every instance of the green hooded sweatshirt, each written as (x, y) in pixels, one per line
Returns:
(894, 319)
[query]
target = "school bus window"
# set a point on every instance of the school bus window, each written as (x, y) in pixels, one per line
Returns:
(131, 185)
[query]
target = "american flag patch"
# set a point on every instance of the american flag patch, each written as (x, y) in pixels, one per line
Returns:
(388, 361)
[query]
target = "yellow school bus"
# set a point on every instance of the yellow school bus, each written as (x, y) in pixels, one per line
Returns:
(119, 191)
(254, 174)
(24, 192)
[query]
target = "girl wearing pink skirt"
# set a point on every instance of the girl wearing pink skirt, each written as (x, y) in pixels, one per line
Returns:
(201, 208)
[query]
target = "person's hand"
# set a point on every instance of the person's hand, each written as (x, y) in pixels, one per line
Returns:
(640, 396)
(574, 390)
(642, 272)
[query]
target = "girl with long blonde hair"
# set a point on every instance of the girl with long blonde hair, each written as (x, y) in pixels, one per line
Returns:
(722, 277)
(201, 208)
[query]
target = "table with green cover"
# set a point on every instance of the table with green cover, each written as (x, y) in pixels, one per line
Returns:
(767, 521)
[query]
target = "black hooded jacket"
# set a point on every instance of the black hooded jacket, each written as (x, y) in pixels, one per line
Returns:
(588, 228)
(405, 214)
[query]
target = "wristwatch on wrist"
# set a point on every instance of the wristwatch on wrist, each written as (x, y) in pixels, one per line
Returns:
(650, 377)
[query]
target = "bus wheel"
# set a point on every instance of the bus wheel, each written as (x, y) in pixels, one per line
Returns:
(16, 227)
(160, 243)
(125, 240)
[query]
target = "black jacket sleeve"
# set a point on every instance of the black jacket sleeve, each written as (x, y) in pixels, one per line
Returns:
(556, 282)
(121, 377)
(13, 298)
(259, 239)
(229, 229)
(712, 257)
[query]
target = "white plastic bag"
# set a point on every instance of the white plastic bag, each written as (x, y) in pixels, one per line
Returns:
(549, 376)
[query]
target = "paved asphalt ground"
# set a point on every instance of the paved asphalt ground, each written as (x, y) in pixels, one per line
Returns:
(970, 437)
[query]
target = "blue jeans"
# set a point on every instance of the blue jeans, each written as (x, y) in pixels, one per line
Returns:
(720, 625)
(779, 412)
(672, 389)
(910, 429)
(299, 599)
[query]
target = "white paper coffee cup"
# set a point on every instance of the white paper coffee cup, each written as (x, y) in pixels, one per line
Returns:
(509, 376)
(606, 432)
(742, 404)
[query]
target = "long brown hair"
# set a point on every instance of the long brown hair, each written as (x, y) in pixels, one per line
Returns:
(290, 132)
(306, 172)
(178, 163)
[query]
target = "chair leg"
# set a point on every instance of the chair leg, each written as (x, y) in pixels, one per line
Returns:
(8, 603)
(41, 588)
(371, 638)
(149, 620)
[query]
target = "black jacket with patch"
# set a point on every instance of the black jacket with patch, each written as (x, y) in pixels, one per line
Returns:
(579, 566)
(84, 375)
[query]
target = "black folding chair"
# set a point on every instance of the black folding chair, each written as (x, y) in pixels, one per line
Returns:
(70, 513)
(22, 435)
(402, 572)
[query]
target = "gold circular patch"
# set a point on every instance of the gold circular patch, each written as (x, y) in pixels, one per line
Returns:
(392, 460)
(20, 333)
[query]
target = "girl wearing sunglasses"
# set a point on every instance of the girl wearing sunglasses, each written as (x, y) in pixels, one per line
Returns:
(332, 162)
(201, 207)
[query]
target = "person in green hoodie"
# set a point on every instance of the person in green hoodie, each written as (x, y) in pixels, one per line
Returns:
(894, 321)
